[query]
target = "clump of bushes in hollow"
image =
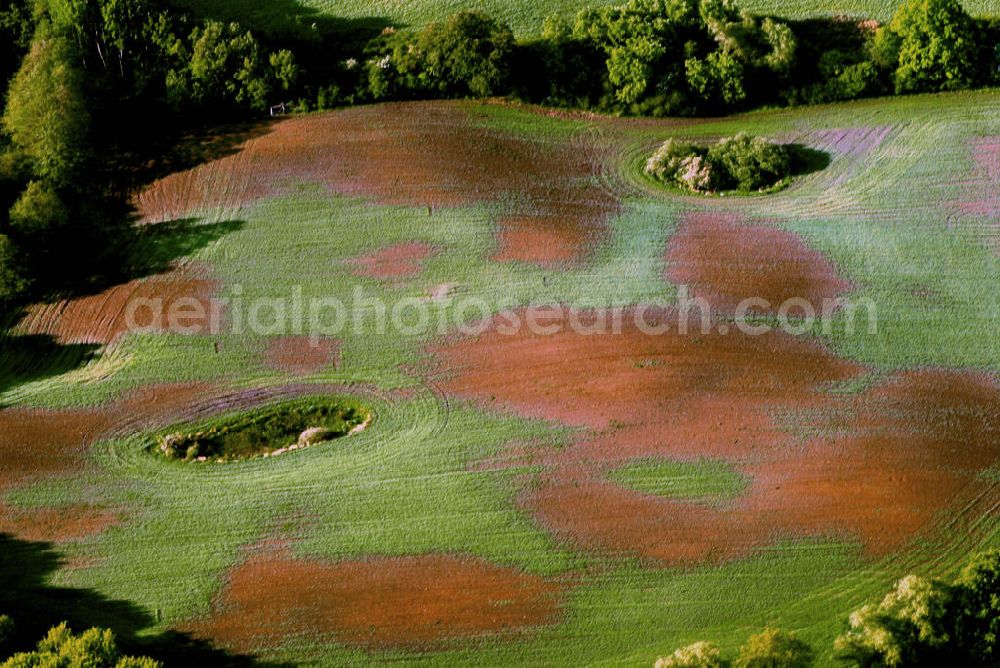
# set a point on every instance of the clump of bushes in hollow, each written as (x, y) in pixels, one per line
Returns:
(920, 623)
(266, 431)
(742, 164)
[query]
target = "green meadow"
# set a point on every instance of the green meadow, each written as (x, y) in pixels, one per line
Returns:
(888, 217)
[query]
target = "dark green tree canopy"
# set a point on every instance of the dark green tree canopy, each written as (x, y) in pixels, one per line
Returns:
(978, 603)
(469, 54)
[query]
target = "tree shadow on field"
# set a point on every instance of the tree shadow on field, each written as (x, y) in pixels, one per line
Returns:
(146, 250)
(152, 249)
(35, 606)
(180, 148)
(807, 160)
(32, 357)
(157, 247)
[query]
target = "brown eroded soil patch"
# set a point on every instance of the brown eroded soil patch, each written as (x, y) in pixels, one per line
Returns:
(879, 467)
(982, 187)
(56, 524)
(981, 198)
(631, 377)
(725, 263)
(41, 442)
(301, 355)
(104, 317)
(395, 262)
(398, 602)
(548, 241)
(415, 154)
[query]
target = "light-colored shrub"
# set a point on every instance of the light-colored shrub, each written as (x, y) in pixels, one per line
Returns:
(698, 655)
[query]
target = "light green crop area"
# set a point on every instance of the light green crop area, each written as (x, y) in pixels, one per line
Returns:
(703, 481)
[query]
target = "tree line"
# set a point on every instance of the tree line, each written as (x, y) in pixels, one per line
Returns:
(80, 72)
(86, 81)
(674, 57)
(921, 623)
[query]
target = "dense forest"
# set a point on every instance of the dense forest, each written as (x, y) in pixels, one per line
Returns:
(78, 73)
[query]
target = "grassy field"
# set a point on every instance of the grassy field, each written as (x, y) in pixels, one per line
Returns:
(897, 213)
(525, 18)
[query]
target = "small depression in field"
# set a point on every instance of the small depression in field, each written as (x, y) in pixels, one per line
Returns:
(267, 431)
(411, 603)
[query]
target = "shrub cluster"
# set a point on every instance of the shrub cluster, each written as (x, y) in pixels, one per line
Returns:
(921, 622)
(772, 648)
(742, 163)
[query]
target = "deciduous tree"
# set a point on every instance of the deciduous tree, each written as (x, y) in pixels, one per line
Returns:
(46, 115)
(774, 648)
(934, 43)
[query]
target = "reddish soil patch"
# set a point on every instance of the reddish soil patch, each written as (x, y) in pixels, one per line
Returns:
(631, 376)
(37, 442)
(140, 304)
(880, 467)
(548, 242)
(400, 602)
(302, 355)
(981, 199)
(421, 154)
(985, 178)
(395, 262)
(56, 524)
(40, 442)
(726, 263)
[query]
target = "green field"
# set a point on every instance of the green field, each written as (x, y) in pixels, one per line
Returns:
(886, 213)
(525, 20)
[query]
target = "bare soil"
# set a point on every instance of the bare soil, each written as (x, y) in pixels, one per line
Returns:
(302, 355)
(104, 317)
(39, 442)
(395, 262)
(414, 602)
(57, 525)
(725, 263)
